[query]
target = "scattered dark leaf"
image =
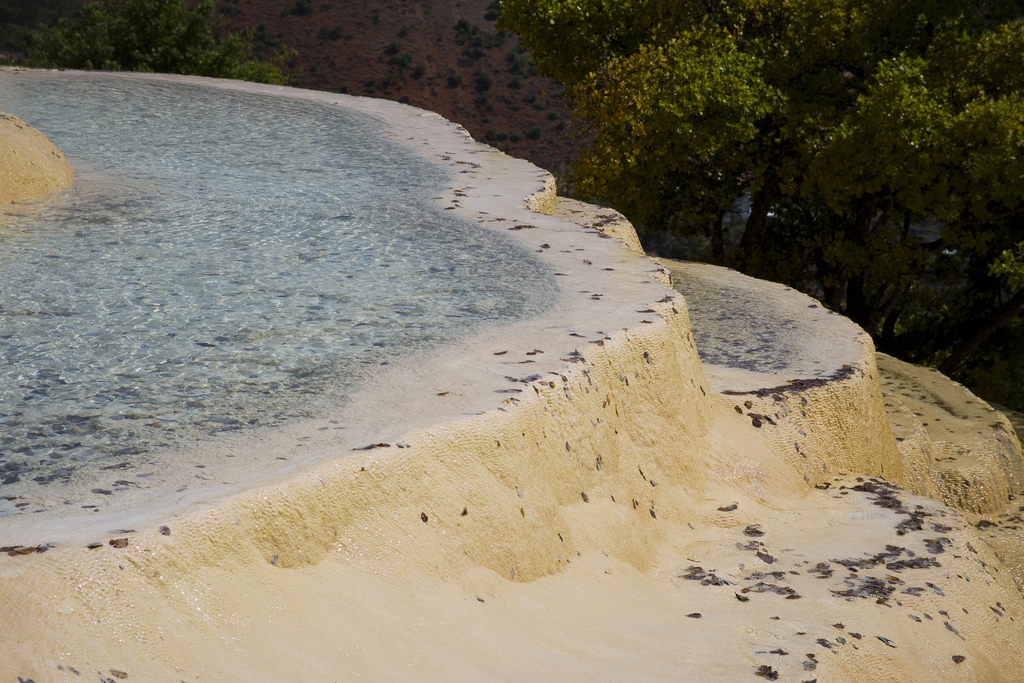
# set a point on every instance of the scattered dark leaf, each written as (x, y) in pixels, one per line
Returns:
(705, 578)
(935, 545)
(822, 569)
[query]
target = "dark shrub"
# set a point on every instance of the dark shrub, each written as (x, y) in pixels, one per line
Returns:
(302, 8)
(483, 81)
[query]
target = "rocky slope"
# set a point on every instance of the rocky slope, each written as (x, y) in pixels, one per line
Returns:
(447, 57)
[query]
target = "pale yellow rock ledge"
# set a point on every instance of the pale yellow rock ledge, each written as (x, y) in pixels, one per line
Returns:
(611, 516)
(30, 165)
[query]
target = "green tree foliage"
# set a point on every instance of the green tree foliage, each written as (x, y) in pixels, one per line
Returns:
(152, 35)
(18, 18)
(844, 129)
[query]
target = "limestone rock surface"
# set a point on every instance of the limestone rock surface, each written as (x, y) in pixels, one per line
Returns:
(30, 165)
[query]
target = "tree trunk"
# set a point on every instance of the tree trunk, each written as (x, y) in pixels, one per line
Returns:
(832, 295)
(887, 343)
(880, 313)
(1008, 312)
(856, 301)
(718, 239)
(760, 204)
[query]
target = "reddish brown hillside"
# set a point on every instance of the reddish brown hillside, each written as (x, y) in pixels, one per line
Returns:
(442, 56)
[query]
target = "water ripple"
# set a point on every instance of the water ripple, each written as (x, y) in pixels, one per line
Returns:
(225, 260)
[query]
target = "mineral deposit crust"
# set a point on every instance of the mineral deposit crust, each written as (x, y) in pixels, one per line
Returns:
(30, 165)
(612, 518)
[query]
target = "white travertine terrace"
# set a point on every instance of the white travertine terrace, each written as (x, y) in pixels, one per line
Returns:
(601, 513)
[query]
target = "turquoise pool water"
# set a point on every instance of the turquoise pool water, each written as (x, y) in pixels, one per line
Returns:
(224, 261)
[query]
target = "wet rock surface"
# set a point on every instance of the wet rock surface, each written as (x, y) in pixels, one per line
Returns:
(742, 323)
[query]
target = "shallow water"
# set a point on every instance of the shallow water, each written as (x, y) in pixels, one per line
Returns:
(223, 261)
(745, 324)
(733, 328)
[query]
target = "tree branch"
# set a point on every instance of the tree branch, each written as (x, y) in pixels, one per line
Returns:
(1008, 312)
(880, 313)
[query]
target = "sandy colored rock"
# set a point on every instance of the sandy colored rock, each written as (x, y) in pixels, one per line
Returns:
(803, 374)
(557, 521)
(30, 165)
(1016, 418)
(602, 219)
(968, 452)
